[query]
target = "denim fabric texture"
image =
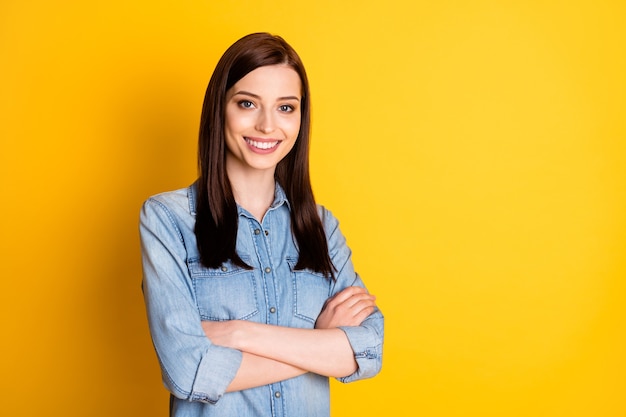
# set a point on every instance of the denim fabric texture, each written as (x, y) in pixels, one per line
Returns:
(179, 293)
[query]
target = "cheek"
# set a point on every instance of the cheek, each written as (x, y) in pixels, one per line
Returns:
(294, 128)
(232, 130)
(236, 121)
(232, 123)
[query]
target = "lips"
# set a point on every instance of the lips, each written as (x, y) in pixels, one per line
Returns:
(262, 144)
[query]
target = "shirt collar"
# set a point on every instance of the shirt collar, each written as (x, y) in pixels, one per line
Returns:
(280, 198)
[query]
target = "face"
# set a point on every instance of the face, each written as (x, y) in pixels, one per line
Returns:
(262, 118)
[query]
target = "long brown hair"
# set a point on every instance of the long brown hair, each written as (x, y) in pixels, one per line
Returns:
(216, 213)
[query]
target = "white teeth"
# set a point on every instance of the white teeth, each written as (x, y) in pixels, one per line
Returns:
(261, 145)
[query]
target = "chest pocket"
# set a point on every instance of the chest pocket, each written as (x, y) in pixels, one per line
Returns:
(225, 293)
(311, 290)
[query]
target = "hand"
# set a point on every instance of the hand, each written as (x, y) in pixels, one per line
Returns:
(222, 333)
(348, 307)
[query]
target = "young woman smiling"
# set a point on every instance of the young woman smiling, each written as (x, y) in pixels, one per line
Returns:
(252, 298)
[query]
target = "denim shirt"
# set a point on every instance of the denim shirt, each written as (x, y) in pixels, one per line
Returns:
(179, 293)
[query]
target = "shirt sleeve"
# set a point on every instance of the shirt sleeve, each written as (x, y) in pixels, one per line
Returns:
(366, 340)
(192, 367)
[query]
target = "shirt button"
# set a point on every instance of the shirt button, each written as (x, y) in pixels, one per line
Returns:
(268, 269)
(257, 231)
(224, 269)
(272, 309)
(277, 394)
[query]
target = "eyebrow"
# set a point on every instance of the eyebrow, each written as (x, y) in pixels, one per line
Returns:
(247, 93)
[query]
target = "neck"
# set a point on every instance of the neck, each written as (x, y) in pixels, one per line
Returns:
(254, 191)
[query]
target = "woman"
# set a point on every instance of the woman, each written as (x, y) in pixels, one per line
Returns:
(250, 291)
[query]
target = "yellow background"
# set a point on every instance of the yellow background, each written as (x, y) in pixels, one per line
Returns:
(473, 150)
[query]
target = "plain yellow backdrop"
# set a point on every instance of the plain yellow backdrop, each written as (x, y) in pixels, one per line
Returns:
(474, 152)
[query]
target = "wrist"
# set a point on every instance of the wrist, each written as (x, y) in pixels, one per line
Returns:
(240, 334)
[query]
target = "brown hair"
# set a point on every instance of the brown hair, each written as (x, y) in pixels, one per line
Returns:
(216, 214)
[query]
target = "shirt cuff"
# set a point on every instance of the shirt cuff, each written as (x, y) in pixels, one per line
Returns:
(368, 357)
(216, 371)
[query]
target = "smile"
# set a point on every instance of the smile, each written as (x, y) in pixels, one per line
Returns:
(262, 144)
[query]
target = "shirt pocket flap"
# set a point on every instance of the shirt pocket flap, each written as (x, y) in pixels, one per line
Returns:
(224, 293)
(311, 290)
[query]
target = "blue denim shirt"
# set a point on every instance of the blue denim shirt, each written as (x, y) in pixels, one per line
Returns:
(179, 293)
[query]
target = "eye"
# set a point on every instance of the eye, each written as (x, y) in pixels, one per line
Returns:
(245, 104)
(287, 108)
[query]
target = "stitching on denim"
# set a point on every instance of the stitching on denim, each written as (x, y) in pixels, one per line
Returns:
(184, 393)
(192, 396)
(198, 276)
(367, 354)
(169, 215)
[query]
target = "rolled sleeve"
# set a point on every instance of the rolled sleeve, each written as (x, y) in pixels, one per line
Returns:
(193, 368)
(216, 370)
(366, 339)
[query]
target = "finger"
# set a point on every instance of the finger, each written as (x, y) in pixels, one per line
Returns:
(359, 309)
(363, 314)
(360, 297)
(345, 294)
(358, 305)
(357, 298)
(358, 314)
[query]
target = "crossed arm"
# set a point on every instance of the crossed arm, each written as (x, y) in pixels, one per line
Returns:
(324, 350)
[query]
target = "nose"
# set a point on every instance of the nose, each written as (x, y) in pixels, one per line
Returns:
(265, 122)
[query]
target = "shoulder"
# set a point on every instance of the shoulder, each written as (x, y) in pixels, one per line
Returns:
(169, 216)
(329, 221)
(176, 204)
(174, 198)
(182, 199)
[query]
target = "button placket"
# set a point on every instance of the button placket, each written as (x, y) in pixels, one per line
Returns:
(260, 235)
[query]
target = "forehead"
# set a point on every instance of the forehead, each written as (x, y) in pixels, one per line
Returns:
(270, 81)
